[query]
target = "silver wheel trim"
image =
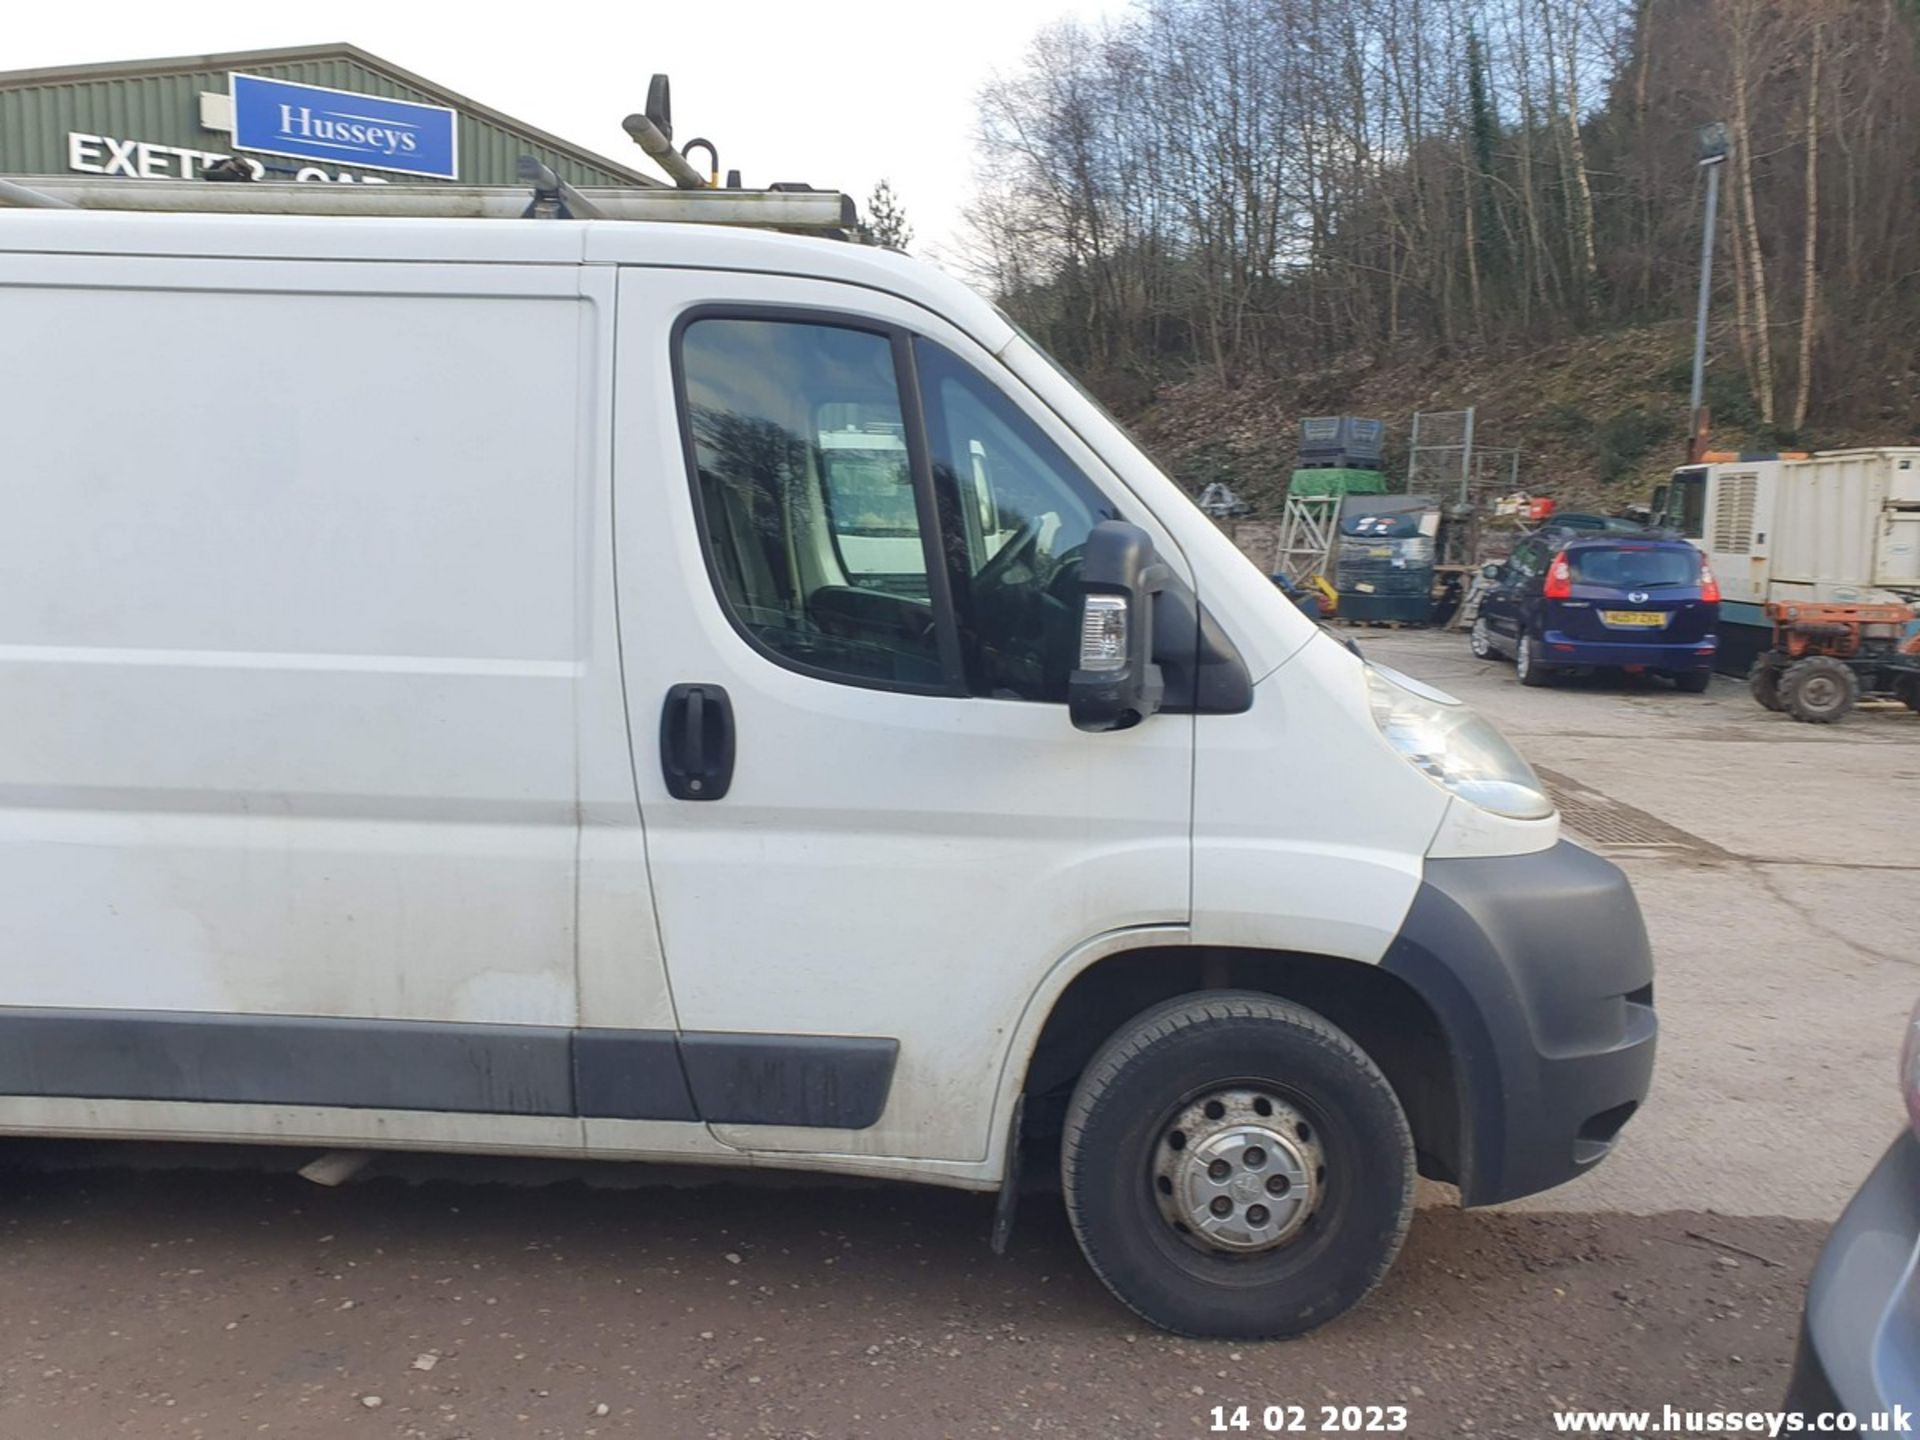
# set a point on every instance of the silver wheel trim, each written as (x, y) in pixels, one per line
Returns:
(1523, 655)
(1482, 641)
(1238, 1172)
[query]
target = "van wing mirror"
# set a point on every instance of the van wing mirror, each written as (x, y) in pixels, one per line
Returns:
(1115, 684)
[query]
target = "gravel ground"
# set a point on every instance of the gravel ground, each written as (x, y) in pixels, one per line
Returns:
(199, 1304)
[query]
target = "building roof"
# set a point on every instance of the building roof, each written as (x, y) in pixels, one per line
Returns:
(428, 90)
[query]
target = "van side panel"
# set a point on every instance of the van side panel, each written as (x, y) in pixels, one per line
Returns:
(307, 672)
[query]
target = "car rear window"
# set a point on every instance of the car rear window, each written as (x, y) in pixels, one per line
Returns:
(1627, 567)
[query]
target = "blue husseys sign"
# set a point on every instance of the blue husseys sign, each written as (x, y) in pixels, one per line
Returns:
(279, 117)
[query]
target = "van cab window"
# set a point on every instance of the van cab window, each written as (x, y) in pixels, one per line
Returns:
(1015, 516)
(806, 496)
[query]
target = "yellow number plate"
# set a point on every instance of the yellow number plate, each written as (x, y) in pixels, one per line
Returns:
(1651, 619)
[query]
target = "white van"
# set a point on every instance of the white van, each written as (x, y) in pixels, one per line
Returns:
(467, 685)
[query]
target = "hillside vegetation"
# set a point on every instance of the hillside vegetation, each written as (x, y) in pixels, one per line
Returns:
(1225, 214)
(1599, 419)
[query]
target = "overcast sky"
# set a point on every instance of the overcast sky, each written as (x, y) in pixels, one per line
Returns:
(833, 92)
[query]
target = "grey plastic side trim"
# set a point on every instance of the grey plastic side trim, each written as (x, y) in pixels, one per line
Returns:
(287, 1060)
(828, 1081)
(629, 1075)
(825, 1081)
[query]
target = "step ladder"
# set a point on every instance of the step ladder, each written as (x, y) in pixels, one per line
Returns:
(1308, 527)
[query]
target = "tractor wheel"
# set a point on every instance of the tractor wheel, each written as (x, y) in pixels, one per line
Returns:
(1763, 681)
(1819, 689)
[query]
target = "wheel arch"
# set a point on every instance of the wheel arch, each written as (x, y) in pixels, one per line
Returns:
(1384, 1014)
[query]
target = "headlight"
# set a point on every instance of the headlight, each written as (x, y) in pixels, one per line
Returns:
(1453, 746)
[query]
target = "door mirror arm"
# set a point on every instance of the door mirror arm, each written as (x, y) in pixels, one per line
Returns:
(1116, 684)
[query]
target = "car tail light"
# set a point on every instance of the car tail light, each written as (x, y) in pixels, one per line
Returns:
(1709, 587)
(1559, 579)
(1910, 1070)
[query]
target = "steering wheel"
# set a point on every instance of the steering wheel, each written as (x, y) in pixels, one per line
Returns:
(1023, 544)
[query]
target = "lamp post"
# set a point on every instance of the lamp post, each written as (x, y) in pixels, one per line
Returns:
(1713, 155)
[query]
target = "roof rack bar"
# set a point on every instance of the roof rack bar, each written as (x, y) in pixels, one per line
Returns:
(652, 139)
(26, 198)
(821, 212)
(553, 198)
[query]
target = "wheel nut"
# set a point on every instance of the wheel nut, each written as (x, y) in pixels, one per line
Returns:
(1278, 1185)
(1254, 1157)
(1256, 1215)
(1219, 1170)
(1222, 1206)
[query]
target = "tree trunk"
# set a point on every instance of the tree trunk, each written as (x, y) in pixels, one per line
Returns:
(1577, 156)
(1643, 44)
(1472, 203)
(1742, 283)
(1809, 270)
(1743, 176)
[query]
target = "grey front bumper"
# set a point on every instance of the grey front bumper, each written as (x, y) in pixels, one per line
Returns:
(1860, 1339)
(1538, 969)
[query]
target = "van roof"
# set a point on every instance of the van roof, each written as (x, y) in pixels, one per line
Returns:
(537, 242)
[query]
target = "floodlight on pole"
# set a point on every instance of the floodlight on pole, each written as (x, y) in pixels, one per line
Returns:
(1713, 147)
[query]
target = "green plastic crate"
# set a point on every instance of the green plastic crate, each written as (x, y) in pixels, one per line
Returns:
(1309, 483)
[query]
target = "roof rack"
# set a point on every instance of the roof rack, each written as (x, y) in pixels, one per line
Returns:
(800, 209)
(231, 189)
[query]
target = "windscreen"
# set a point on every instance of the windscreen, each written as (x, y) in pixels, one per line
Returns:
(1635, 567)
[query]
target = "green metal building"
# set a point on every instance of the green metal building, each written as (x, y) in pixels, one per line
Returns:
(170, 119)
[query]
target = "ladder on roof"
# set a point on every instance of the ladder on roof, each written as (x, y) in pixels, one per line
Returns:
(807, 211)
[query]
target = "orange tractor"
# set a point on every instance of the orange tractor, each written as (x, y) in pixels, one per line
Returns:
(1826, 656)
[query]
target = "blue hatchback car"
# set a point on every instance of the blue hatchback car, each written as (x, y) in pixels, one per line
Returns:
(1583, 600)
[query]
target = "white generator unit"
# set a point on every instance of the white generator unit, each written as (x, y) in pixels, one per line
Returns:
(1837, 527)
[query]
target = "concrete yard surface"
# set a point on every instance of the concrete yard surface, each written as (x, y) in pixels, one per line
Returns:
(1777, 868)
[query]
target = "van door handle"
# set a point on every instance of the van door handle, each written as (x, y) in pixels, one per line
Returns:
(696, 742)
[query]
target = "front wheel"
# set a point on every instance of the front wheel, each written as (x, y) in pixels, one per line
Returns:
(1819, 689)
(1236, 1166)
(1692, 682)
(1480, 639)
(1763, 682)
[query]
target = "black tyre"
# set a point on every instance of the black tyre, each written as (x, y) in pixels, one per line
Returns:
(1528, 664)
(1236, 1166)
(1692, 682)
(1819, 689)
(1763, 682)
(1907, 687)
(1480, 639)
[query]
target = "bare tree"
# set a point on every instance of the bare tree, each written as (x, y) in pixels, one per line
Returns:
(1253, 187)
